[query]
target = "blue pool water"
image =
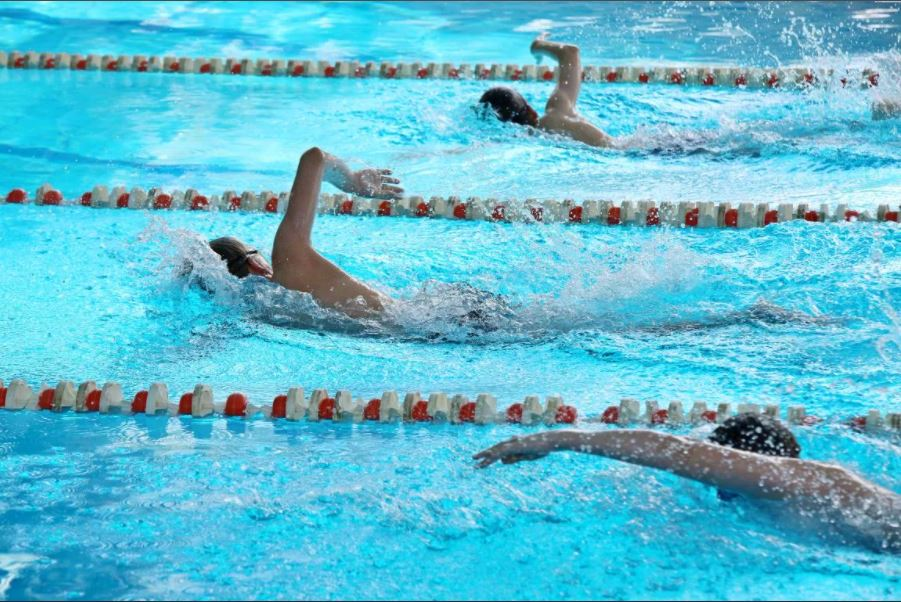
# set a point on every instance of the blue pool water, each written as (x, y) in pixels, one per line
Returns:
(134, 507)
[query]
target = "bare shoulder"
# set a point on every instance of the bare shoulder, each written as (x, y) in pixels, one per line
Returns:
(831, 483)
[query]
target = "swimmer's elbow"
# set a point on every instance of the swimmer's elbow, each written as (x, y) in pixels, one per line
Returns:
(313, 155)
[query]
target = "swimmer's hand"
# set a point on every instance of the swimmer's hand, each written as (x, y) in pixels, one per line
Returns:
(376, 184)
(517, 449)
(539, 46)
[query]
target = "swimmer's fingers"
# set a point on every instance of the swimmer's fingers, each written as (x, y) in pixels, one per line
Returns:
(388, 180)
(502, 451)
(393, 192)
(486, 462)
(488, 456)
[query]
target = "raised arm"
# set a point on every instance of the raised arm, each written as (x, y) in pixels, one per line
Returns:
(569, 74)
(733, 470)
(317, 165)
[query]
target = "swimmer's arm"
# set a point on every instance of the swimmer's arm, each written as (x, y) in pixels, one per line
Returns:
(736, 471)
(317, 165)
(337, 172)
(373, 183)
(569, 74)
(301, 211)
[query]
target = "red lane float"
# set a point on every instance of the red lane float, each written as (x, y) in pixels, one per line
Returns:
(279, 406)
(16, 195)
(614, 216)
(691, 217)
(92, 401)
(45, 399)
(610, 415)
(162, 201)
(184, 404)
(139, 405)
(730, 219)
(514, 413)
(51, 197)
(373, 409)
(327, 409)
(468, 412)
(659, 417)
(420, 411)
(566, 415)
(236, 405)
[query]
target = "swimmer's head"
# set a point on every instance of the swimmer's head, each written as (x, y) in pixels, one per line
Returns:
(509, 105)
(758, 434)
(241, 259)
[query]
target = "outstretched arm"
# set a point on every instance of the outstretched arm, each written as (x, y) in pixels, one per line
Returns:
(742, 472)
(569, 74)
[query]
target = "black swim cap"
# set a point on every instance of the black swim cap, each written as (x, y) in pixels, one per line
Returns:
(235, 253)
(509, 105)
(758, 434)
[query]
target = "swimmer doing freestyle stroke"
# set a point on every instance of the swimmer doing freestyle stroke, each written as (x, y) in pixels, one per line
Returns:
(560, 114)
(297, 265)
(751, 456)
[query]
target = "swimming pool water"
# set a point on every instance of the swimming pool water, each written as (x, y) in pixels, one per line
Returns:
(132, 507)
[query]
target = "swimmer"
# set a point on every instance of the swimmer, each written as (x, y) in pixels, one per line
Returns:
(748, 455)
(295, 263)
(560, 115)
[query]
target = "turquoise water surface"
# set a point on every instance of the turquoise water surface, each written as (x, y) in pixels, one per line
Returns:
(136, 507)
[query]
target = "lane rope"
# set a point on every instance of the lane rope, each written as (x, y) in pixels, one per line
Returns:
(722, 76)
(636, 213)
(437, 407)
